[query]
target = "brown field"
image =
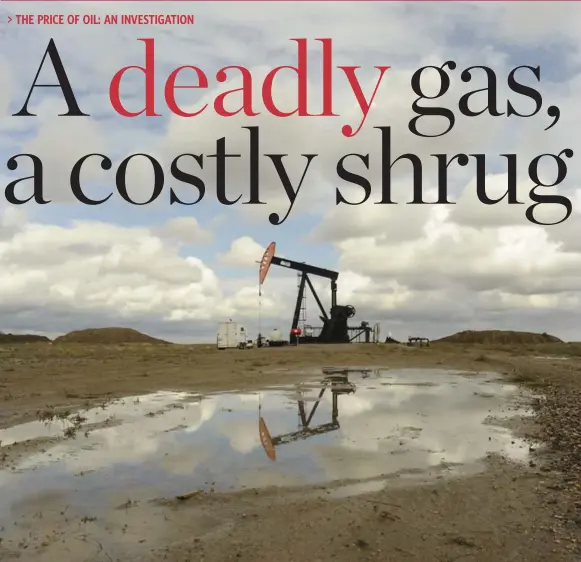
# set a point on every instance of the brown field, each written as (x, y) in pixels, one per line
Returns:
(508, 512)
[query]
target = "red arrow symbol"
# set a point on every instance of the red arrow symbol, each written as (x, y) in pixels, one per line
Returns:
(9, 19)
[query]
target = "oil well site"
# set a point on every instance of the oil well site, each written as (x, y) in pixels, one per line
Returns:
(322, 439)
(333, 328)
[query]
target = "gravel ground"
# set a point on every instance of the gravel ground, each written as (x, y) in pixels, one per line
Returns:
(507, 513)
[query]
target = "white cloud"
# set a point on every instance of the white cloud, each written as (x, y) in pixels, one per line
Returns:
(243, 252)
(186, 230)
(243, 435)
(105, 269)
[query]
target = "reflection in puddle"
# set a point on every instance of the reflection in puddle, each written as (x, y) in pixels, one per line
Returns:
(345, 428)
(337, 383)
(129, 409)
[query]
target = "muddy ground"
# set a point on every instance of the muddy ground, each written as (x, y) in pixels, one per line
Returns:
(507, 513)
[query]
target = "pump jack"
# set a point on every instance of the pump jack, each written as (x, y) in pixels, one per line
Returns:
(339, 383)
(335, 328)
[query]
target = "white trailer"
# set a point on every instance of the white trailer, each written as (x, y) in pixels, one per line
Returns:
(231, 335)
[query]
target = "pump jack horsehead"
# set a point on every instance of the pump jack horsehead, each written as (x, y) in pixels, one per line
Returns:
(335, 328)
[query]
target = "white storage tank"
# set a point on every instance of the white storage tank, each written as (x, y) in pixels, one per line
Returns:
(275, 335)
(231, 335)
(276, 338)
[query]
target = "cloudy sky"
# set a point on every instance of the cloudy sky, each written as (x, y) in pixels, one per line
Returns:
(175, 271)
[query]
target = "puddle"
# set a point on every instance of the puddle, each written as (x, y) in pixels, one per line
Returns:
(126, 410)
(346, 427)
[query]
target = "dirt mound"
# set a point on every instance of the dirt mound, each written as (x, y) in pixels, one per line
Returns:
(502, 337)
(22, 338)
(107, 336)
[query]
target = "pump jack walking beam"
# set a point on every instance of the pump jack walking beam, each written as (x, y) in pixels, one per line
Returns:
(307, 269)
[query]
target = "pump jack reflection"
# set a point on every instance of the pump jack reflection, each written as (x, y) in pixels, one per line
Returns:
(338, 383)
